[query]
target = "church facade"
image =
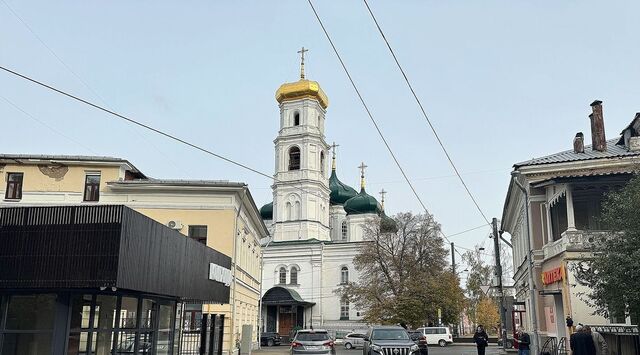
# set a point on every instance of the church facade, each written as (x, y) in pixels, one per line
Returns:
(315, 222)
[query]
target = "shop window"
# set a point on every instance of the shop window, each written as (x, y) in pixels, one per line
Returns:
(198, 233)
(14, 186)
(92, 188)
(105, 312)
(129, 312)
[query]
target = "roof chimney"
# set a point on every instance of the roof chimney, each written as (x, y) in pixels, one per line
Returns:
(578, 143)
(598, 139)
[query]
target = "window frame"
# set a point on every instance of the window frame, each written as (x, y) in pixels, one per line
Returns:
(344, 231)
(193, 228)
(344, 275)
(94, 194)
(296, 118)
(295, 156)
(17, 186)
(282, 274)
(293, 275)
(344, 308)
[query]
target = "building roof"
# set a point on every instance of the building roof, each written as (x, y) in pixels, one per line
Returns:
(35, 158)
(613, 151)
(182, 182)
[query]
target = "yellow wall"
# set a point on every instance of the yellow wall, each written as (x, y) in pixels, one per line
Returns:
(73, 180)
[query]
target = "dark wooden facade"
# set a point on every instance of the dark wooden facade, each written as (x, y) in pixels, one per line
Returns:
(106, 246)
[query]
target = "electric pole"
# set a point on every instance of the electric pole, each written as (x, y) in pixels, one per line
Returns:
(498, 273)
(453, 259)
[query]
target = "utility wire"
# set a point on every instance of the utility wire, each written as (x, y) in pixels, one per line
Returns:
(424, 113)
(375, 123)
(467, 230)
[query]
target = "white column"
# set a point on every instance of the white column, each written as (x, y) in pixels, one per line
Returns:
(571, 221)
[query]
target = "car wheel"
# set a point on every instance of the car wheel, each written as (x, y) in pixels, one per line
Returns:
(442, 343)
(509, 344)
(270, 342)
(348, 346)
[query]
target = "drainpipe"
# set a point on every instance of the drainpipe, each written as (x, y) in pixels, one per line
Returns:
(260, 320)
(532, 290)
(235, 268)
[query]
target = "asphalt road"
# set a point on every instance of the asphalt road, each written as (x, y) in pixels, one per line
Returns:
(433, 350)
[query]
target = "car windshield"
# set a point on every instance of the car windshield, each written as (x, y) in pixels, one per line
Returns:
(312, 336)
(390, 334)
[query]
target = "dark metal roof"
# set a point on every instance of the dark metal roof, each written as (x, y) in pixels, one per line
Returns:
(181, 182)
(279, 295)
(613, 151)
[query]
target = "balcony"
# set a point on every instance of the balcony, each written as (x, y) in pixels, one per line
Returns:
(574, 240)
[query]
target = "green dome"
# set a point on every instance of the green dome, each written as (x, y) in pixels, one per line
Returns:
(362, 203)
(340, 192)
(266, 211)
(387, 224)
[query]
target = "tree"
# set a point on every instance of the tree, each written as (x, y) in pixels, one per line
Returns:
(480, 274)
(487, 315)
(613, 274)
(405, 276)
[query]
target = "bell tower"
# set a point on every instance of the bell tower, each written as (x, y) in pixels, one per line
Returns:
(301, 189)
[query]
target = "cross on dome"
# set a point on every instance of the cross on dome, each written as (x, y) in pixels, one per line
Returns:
(333, 151)
(382, 193)
(302, 52)
(362, 168)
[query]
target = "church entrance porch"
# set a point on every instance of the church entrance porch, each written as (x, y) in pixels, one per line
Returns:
(285, 311)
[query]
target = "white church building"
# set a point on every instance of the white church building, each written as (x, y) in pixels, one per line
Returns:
(315, 222)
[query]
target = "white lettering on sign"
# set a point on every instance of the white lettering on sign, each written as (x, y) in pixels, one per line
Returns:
(219, 274)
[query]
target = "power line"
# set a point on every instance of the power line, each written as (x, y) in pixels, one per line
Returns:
(424, 113)
(375, 123)
(468, 230)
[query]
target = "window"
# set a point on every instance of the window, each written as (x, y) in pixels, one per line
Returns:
(344, 275)
(288, 208)
(293, 278)
(283, 276)
(559, 218)
(92, 187)
(344, 230)
(296, 119)
(294, 158)
(198, 233)
(344, 309)
(14, 186)
(322, 162)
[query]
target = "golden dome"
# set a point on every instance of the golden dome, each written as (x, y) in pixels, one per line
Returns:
(301, 89)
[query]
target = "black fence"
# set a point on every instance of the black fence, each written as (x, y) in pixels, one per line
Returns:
(204, 337)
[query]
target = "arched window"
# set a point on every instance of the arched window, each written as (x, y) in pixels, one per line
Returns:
(344, 275)
(344, 230)
(296, 119)
(294, 158)
(289, 212)
(322, 163)
(344, 308)
(283, 276)
(296, 210)
(293, 278)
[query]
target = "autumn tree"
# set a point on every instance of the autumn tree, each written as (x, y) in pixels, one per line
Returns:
(480, 273)
(613, 274)
(405, 276)
(487, 315)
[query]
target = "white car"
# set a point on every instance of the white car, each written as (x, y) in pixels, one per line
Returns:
(353, 340)
(437, 335)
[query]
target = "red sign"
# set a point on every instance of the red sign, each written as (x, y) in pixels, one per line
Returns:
(553, 275)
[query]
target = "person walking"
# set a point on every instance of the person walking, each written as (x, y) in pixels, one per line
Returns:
(581, 342)
(524, 341)
(481, 339)
(598, 341)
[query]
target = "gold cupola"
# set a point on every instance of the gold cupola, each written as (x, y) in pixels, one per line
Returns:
(302, 89)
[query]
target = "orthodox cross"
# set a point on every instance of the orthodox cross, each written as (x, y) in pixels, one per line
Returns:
(362, 167)
(302, 51)
(382, 193)
(333, 150)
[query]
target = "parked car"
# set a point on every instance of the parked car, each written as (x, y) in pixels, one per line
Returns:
(310, 341)
(270, 338)
(353, 340)
(388, 340)
(437, 335)
(414, 335)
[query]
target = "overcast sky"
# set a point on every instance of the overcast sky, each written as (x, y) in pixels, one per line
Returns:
(502, 81)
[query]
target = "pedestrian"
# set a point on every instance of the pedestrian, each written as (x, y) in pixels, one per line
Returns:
(524, 341)
(598, 341)
(581, 342)
(481, 339)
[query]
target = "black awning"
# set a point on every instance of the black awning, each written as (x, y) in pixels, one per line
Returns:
(282, 296)
(92, 247)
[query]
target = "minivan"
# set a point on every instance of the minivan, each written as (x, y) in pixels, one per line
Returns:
(437, 335)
